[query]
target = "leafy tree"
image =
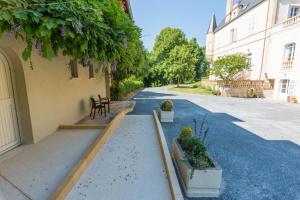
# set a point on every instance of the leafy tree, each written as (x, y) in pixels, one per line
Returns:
(180, 66)
(228, 66)
(201, 65)
(167, 39)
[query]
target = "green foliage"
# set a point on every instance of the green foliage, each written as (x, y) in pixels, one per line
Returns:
(83, 30)
(251, 93)
(166, 40)
(167, 105)
(195, 150)
(174, 59)
(124, 87)
(228, 66)
(130, 84)
(215, 92)
(196, 154)
(194, 147)
(180, 66)
(186, 133)
(201, 66)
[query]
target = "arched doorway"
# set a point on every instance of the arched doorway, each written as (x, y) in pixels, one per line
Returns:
(9, 128)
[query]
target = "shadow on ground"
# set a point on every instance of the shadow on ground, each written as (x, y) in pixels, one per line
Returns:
(253, 168)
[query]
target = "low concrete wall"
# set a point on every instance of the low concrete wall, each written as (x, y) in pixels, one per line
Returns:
(236, 88)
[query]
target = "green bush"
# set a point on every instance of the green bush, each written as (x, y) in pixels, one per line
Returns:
(167, 105)
(195, 150)
(185, 133)
(196, 154)
(216, 92)
(251, 93)
(130, 84)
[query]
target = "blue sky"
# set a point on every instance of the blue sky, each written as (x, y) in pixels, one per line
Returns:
(192, 16)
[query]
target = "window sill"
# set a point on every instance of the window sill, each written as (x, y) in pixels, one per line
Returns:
(75, 78)
(92, 78)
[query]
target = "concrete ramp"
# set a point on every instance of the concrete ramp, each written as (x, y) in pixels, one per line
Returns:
(128, 167)
(37, 171)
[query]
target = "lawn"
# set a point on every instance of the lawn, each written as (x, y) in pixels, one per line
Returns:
(194, 88)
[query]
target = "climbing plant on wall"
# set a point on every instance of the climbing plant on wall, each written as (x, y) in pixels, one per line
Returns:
(81, 29)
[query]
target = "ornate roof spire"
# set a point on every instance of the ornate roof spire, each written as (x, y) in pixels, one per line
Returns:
(212, 25)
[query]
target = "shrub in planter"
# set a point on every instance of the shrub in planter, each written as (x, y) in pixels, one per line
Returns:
(167, 105)
(293, 99)
(166, 111)
(201, 176)
(251, 93)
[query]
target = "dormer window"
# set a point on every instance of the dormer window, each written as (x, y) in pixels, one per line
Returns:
(294, 11)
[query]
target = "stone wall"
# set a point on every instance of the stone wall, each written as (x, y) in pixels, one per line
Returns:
(236, 88)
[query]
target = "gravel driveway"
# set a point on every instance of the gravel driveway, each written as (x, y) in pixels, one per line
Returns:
(256, 141)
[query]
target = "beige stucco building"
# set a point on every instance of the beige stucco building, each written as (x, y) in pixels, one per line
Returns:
(267, 31)
(34, 102)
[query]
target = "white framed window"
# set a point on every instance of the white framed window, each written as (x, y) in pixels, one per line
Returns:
(284, 86)
(287, 87)
(233, 33)
(294, 11)
(249, 59)
(289, 52)
(251, 25)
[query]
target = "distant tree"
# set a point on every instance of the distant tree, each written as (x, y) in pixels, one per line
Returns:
(166, 40)
(228, 66)
(181, 64)
(201, 66)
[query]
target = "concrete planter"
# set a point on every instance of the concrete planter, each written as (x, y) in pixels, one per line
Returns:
(166, 116)
(204, 183)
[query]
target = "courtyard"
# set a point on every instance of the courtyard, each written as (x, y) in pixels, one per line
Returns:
(256, 141)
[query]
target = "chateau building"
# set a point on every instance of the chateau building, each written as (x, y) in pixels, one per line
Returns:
(268, 32)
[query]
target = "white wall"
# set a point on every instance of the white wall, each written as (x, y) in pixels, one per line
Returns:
(278, 41)
(249, 40)
(284, 8)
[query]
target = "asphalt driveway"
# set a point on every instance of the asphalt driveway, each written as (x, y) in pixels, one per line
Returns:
(256, 141)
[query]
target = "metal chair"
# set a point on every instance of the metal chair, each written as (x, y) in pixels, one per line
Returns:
(96, 106)
(105, 101)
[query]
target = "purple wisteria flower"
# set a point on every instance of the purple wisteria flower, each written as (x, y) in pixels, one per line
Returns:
(38, 45)
(85, 60)
(16, 28)
(62, 30)
(78, 28)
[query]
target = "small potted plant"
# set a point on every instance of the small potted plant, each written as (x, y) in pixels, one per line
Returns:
(166, 111)
(251, 93)
(200, 175)
(293, 99)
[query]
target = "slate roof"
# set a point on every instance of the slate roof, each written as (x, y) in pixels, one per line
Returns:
(247, 5)
(212, 25)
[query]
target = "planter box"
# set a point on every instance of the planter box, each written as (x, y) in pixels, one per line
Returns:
(166, 116)
(204, 183)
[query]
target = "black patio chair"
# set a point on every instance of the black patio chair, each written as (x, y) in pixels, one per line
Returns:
(97, 106)
(105, 101)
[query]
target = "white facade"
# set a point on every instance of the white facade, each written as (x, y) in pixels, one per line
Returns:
(269, 33)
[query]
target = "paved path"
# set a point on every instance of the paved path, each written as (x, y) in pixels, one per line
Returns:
(128, 167)
(38, 169)
(256, 142)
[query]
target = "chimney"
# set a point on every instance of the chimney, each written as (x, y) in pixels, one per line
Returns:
(229, 7)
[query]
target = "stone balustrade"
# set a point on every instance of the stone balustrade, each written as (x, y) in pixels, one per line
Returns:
(286, 65)
(291, 22)
(236, 88)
